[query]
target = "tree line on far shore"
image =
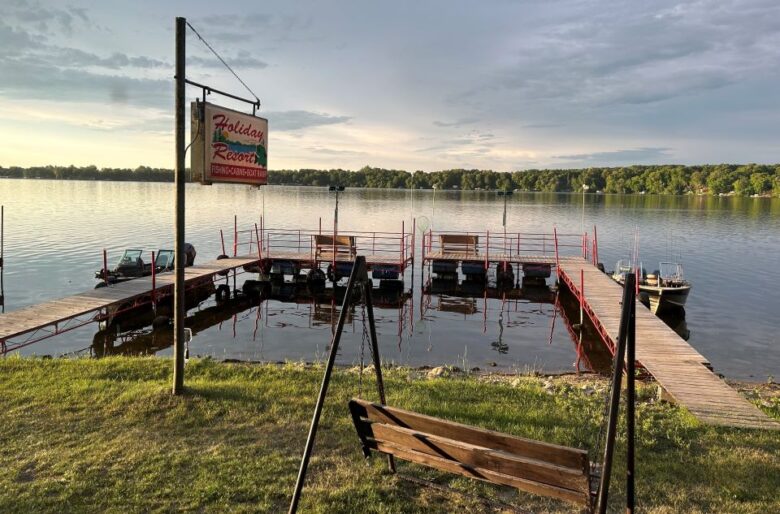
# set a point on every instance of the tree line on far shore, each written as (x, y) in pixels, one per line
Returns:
(743, 180)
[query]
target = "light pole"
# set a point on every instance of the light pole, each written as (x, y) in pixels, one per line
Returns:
(585, 187)
(505, 193)
(337, 189)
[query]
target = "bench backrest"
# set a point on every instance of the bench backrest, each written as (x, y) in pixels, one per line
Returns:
(344, 245)
(459, 243)
(532, 466)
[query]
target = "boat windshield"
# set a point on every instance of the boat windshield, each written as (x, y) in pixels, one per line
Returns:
(671, 271)
(164, 259)
(130, 257)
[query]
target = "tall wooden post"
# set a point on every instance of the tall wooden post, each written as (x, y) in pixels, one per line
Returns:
(179, 259)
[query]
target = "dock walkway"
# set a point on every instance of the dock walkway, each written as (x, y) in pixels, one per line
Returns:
(31, 324)
(679, 369)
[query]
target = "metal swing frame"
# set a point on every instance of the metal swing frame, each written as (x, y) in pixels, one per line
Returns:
(624, 359)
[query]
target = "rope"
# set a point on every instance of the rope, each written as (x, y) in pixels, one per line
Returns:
(223, 62)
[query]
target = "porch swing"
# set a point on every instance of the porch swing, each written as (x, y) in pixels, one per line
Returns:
(532, 466)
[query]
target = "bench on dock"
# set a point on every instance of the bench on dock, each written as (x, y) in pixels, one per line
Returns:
(459, 243)
(342, 246)
(532, 466)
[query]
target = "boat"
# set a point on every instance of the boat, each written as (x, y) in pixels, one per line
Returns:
(131, 265)
(665, 289)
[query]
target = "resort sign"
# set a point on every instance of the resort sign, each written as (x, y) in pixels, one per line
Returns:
(228, 146)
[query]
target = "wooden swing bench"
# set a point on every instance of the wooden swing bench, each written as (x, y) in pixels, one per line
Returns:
(343, 246)
(463, 245)
(531, 466)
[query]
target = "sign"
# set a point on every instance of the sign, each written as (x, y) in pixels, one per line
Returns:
(228, 146)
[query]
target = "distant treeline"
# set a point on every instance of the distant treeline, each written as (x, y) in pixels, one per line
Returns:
(745, 180)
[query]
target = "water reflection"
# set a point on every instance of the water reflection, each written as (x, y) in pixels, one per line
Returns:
(472, 297)
(261, 303)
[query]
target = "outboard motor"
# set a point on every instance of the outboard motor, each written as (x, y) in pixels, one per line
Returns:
(189, 253)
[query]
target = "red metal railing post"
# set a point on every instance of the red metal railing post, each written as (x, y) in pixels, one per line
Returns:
(487, 250)
(222, 238)
(235, 235)
(319, 232)
(582, 297)
(557, 259)
(595, 246)
(403, 246)
(105, 266)
(259, 242)
(334, 250)
(414, 232)
(154, 282)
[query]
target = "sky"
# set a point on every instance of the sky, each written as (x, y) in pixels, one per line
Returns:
(439, 84)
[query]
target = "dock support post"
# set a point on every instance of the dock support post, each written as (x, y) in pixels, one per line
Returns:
(178, 296)
(235, 235)
(222, 238)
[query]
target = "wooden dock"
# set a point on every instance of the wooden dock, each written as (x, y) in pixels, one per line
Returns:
(31, 324)
(679, 369)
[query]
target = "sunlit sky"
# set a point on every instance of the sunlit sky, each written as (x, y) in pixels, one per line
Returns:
(412, 85)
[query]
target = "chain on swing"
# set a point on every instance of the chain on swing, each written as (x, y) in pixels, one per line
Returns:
(363, 340)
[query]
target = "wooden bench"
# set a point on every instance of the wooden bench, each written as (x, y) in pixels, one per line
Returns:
(459, 243)
(344, 247)
(531, 466)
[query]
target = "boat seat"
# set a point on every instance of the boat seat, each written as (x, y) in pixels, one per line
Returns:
(532, 466)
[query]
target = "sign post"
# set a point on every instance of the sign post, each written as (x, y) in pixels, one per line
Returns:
(227, 146)
(179, 259)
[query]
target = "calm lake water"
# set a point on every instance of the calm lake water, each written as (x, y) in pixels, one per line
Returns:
(55, 232)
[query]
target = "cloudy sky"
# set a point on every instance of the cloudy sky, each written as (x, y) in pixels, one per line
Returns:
(408, 84)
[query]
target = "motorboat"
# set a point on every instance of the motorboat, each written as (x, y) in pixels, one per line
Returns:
(662, 290)
(131, 265)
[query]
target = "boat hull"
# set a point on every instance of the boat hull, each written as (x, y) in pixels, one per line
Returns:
(664, 299)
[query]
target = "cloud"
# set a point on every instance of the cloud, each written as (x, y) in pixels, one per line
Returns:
(242, 60)
(25, 78)
(457, 123)
(45, 19)
(609, 53)
(637, 155)
(298, 120)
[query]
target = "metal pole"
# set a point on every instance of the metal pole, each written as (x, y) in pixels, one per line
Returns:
(380, 385)
(105, 267)
(178, 297)
(2, 254)
(614, 403)
(630, 400)
(154, 284)
(334, 345)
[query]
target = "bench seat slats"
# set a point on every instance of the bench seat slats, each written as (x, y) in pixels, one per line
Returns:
(452, 466)
(527, 448)
(478, 457)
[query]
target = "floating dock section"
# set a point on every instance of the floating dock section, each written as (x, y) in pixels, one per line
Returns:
(38, 322)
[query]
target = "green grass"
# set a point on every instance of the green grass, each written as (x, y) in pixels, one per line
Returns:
(107, 436)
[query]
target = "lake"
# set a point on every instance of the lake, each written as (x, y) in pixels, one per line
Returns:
(55, 232)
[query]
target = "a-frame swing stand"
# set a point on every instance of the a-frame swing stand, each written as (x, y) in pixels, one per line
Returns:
(359, 286)
(533, 466)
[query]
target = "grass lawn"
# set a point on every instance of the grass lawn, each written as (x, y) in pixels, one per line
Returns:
(107, 436)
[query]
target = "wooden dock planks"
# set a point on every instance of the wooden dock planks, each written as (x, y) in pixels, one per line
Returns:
(677, 366)
(36, 317)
